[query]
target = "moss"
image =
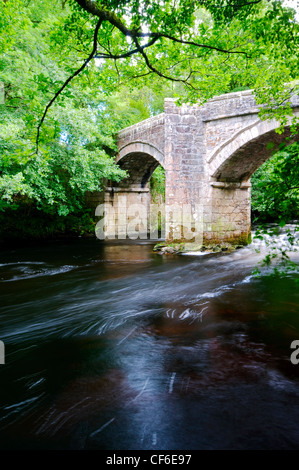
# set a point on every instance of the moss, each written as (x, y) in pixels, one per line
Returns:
(193, 247)
(169, 248)
(243, 239)
(158, 246)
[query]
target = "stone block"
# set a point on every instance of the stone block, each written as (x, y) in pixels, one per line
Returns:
(221, 143)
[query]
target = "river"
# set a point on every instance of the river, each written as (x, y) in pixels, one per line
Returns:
(109, 345)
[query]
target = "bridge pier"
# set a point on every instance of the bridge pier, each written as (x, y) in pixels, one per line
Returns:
(125, 212)
(227, 217)
(209, 153)
(222, 206)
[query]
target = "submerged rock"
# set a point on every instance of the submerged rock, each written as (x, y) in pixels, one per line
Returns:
(159, 246)
(164, 249)
(172, 248)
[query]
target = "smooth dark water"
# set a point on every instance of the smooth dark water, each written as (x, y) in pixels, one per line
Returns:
(111, 346)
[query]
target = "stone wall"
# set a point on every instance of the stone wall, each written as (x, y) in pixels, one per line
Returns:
(209, 153)
(151, 131)
(122, 209)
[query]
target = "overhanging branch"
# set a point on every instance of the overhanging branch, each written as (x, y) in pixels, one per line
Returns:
(205, 46)
(135, 33)
(126, 54)
(77, 72)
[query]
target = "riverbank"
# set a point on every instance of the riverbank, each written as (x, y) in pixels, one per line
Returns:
(175, 248)
(266, 233)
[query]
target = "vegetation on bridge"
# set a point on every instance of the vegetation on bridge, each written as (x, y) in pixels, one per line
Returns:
(74, 72)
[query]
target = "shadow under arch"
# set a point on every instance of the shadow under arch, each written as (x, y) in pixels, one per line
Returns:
(140, 160)
(231, 166)
(238, 158)
(129, 201)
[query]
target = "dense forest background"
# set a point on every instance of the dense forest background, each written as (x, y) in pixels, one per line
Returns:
(73, 73)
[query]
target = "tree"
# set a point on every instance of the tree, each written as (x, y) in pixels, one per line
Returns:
(76, 147)
(75, 72)
(203, 45)
(275, 187)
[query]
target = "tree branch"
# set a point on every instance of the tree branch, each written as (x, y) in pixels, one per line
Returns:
(79, 70)
(126, 54)
(236, 5)
(106, 15)
(150, 66)
(206, 46)
(135, 33)
(157, 72)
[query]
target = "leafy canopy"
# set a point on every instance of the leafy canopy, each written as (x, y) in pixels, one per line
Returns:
(75, 147)
(75, 72)
(275, 187)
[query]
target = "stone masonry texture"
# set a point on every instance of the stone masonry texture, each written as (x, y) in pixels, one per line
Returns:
(209, 153)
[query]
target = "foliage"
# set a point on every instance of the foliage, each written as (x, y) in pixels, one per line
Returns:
(206, 47)
(275, 187)
(27, 222)
(77, 71)
(157, 185)
(275, 198)
(277, 259)
(76, 146)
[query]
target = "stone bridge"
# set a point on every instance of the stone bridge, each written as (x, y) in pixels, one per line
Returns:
(209, 153)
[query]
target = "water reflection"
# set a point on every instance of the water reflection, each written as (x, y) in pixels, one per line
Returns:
(131, 350)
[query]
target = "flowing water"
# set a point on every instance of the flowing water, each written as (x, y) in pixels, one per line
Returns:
(112, 346)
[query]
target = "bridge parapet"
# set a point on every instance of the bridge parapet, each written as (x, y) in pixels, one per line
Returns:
(238, 104)
(229, 105)
(231, 122)
(150, 131)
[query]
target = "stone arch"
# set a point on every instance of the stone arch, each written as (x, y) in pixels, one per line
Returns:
(241, 155)
(140, 160)
(130, 199)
